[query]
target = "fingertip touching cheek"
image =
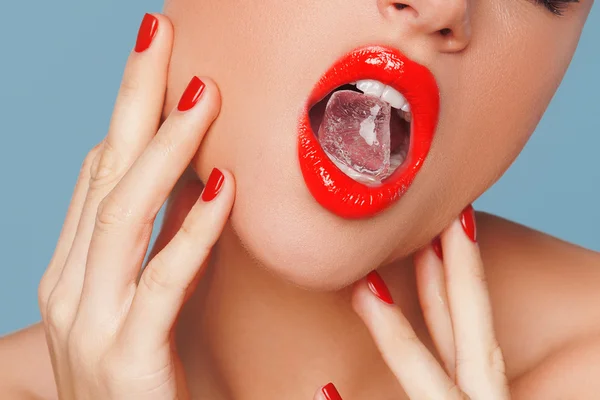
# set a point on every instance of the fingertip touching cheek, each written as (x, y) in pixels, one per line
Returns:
(383, 157)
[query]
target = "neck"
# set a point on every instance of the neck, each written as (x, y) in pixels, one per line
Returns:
(248, 334)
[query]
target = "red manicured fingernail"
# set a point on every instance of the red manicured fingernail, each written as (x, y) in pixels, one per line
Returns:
(146, 34)
(213, 185)
(379, 288)
(191, 94)
(331, 392)
(437, 247)
(467, 219)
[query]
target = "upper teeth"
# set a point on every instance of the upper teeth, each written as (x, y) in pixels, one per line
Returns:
(384, 92)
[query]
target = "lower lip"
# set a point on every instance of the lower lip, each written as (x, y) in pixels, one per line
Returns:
(334, 190)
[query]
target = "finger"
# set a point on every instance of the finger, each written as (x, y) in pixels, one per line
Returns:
(409, 360)
(479, 361)
(125, 217)
(67, 234)
(180, 203)
(135, 120)
(431, 286)
(52, 317)
(328, 392)
(165, 281)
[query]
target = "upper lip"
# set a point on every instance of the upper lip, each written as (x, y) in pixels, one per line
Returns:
(331, 187)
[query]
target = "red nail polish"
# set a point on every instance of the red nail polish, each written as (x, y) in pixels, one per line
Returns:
(146, 34)
(379, 288)
(467, 219)
(331, 392)
(191, 94)
(437, 247)
(213, 185)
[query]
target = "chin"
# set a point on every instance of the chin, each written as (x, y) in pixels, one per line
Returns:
(304, 246)
(288, 233)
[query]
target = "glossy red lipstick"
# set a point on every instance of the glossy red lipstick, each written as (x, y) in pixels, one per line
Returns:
(333, 189)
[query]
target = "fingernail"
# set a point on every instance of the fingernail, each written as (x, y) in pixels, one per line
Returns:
(437, 247)
(146, 34)
(191, 94)
(379, 288)
(331, 392)
(467, 220)
(213, 185)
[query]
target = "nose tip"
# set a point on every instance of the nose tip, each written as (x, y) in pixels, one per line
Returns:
(447, 22)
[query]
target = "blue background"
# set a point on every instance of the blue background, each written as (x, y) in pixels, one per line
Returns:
(60, 68)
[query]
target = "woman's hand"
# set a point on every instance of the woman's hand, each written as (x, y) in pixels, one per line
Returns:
(109, 329)
(456, 307)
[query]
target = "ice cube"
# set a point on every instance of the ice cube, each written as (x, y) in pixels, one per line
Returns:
(355, 131)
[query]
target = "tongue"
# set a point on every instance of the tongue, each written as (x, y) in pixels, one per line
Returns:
(355, 134)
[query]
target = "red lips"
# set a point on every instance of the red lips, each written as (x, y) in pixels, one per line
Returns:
(331, 187)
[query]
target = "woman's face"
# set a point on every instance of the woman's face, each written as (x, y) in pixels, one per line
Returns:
(497, 64)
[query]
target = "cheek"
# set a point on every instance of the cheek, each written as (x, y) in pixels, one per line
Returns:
(494, 94)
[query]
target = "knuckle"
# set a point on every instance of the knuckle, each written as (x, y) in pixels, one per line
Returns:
(90, 159)
(48, 281)
(44, 290)
(106, 167)
(158, 279)
(111, 214)
(58, 313)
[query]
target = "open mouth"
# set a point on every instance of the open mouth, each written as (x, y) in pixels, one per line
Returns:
(366, 130)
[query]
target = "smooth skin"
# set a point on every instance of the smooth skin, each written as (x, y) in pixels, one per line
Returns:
(245, 334)
(496, 74)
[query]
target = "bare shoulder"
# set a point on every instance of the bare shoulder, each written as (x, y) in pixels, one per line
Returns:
(546, 301)
(25, 369)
